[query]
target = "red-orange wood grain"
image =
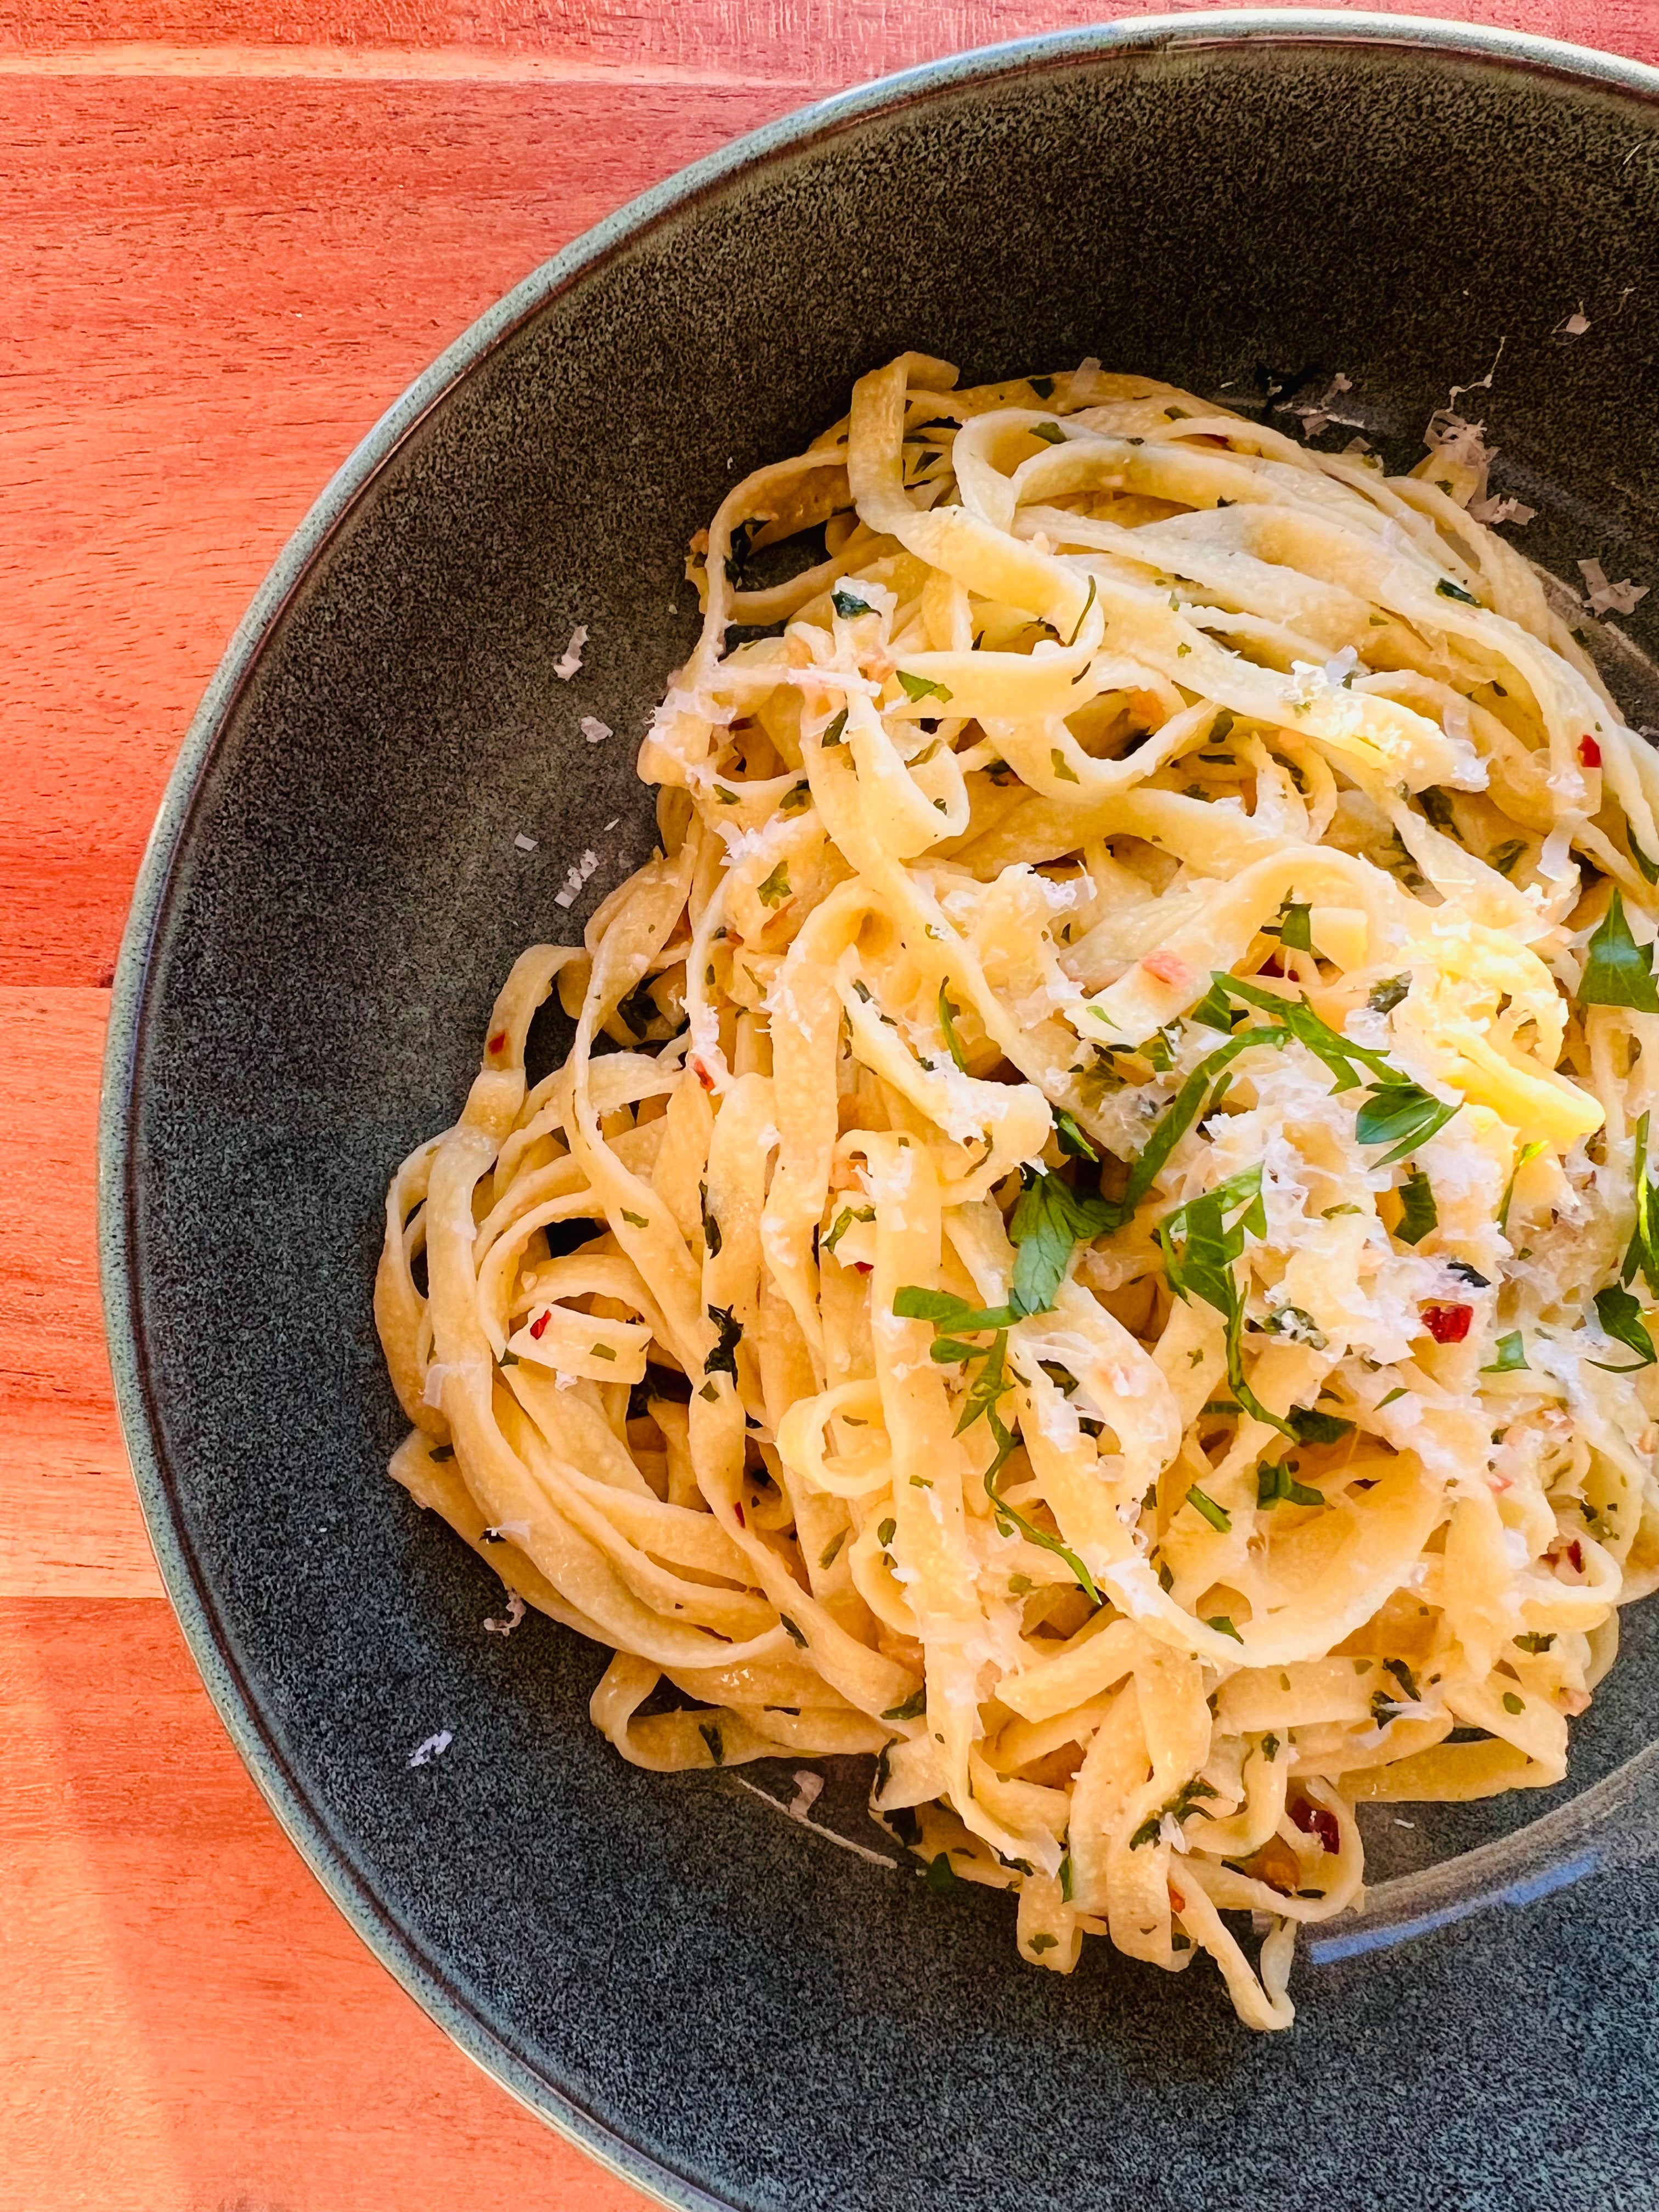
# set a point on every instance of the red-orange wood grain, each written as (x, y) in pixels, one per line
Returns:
(229, 238)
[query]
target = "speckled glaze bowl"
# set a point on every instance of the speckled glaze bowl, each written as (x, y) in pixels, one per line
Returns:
(718, 2003)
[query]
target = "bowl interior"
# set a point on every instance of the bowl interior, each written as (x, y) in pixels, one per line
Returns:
(713, 1998)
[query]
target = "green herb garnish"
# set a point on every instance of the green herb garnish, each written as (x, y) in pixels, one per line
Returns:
(1418, 1211)
(1049, 1220)
(1450, 591)
(1512, 1355)
(775, 891)
(1617, 971)
(1276, 1484)
(848, 604)
(1620, 1317)
(723, 1359)
(1203, 1503)
(922, 687)
(947, 1022)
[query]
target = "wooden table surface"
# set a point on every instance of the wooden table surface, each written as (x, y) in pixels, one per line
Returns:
(228, 239)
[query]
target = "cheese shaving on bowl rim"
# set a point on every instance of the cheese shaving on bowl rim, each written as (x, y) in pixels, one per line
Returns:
(1127, 1297)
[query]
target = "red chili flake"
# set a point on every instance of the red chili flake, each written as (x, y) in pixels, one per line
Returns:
(737, 1511)
(864, 1266)
(1271, 966)
(702, 1075)
(1448, 1324)
(1177, 1902)
(498, 1042)
(1318, 1820)
(540, 1323)
(1169, 967)
(1576, 1553)
(1589, 752)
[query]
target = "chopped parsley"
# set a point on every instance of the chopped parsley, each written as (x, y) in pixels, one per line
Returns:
(844, 1221)
(914, 1706)
(1617, 971)
(1512, 1355)
(1182, 1806)
(1296, 926)
(1621, 1315)
(922, 687)
(947, 1022)
(1386, 995)
(1534, 1640)
(886, 1532)
(1202, 1503)
(1418, 1213)
(1276, 1484)
(1071, 1140)
(1450, 591)
(723, 1359)
(1050, 433)
(1048, 1221)
(848, 604)
(834, 735)
(775, 891)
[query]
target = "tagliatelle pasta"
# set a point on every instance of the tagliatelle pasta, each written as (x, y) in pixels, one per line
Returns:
(1094, 1240)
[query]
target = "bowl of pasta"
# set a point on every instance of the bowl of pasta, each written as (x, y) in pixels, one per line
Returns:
(880, 1221)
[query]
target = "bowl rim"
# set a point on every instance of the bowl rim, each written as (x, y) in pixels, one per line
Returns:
(330, 1858)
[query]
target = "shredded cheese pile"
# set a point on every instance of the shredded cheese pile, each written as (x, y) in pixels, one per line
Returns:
(1094, 1240)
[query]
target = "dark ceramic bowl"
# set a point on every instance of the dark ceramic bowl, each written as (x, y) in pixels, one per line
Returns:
(715, 2002)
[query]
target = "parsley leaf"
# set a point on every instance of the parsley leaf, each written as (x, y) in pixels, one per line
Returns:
(1213, 1011)
(1386, 996)
(922, 687)
(1050, 433)
(1450, 591)
(1617, 971)
(1310, 1426)
(1401, 1115)
(844, 1221)
(775, 891)
(847, 603)
(1512, 1355)
(1650, 868)
(1620, 1317)
(1070, 1138)
(912, 1303)
(1204, 1505)
(914, 1706)
(834, 734)
(1275, 1482)
(1050, 1219)
(723, 1359)
(1642, 1254)
(1418, 1211)
(1203, 1267)
(1296, 926)
(947, 1022)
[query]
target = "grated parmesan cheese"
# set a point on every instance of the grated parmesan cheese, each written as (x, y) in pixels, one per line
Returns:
(433, 1747)
(525, 844)
(514, 1615)
(594, 729)
(1604, 597)
(571, 659)
(577, 876)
